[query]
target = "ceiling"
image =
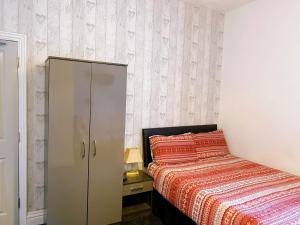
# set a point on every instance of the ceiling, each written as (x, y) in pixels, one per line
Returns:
(221, 5)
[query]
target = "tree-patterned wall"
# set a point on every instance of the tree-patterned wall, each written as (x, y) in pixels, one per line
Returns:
(173, 50)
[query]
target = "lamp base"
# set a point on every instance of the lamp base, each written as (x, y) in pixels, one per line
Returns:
(132, 173)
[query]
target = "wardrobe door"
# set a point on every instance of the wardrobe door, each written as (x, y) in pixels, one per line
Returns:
(108, 106)
(68, 144)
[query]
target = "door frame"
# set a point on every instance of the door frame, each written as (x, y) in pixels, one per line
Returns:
(21, 41)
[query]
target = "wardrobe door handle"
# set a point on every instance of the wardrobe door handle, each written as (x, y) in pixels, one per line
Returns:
(83, 150)
(95, 148)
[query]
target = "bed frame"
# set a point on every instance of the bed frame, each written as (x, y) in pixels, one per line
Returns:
(161, 207)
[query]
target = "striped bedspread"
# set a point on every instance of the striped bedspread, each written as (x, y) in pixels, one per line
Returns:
(230, 190)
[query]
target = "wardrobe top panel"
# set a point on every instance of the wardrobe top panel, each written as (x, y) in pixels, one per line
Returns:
(84, 60)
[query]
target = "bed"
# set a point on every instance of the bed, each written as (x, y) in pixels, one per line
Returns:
(220, 190)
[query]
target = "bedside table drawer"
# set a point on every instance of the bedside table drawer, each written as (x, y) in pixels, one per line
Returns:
(136, 188)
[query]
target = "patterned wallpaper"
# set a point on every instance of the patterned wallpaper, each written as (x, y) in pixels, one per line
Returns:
(173, 50)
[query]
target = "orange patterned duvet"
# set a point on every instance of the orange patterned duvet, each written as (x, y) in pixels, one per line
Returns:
(230, 190)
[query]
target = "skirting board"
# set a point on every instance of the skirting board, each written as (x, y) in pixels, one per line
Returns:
(36, 217)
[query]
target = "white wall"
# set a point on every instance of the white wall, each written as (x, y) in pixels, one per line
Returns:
(260, 93)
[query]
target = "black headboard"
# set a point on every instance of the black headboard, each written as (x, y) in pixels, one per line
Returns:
(170, 131)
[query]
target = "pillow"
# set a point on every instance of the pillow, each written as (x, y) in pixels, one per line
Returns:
(173, 149)
(210, 144)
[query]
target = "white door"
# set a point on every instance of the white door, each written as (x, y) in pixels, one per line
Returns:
(8, 133)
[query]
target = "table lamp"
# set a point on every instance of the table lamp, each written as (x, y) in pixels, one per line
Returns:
(132, 156)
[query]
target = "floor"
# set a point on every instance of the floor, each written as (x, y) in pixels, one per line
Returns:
(142, 220)
(145, 220)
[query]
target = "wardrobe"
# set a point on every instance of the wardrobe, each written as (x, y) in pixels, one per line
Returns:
(86, 127)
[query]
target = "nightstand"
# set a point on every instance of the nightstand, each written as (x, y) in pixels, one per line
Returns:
(137, 196)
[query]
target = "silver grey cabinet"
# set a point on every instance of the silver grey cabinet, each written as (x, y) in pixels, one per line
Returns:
(87, 103)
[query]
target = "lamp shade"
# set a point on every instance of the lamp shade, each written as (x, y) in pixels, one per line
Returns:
(132, 155)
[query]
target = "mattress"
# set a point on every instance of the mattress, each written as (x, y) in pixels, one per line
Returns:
(229, 190)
